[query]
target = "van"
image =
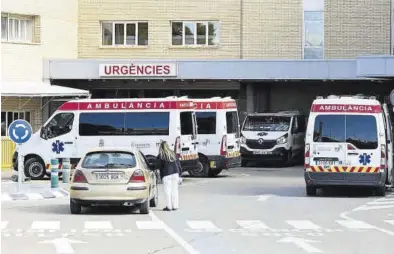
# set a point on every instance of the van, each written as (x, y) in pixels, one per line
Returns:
(218, 135)
(349, 142)
(80, 125)
(276, 137)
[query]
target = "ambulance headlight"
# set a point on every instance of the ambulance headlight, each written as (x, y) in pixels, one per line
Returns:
(243, 140)
(282, 140)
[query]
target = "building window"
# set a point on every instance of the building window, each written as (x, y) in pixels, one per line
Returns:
(196, 33)
(313, 38)
(124, 33)
(16, 29)
(7, 117)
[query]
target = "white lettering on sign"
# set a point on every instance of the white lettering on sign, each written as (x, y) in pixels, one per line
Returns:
(345, 108)
(138, 70)
(125, 105)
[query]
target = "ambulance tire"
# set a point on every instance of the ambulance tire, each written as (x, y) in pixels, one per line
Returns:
(244, 163)
(202, 169)
(35, 169)
(311, 191)
(381, 191)
(214, 172)
(288, 162)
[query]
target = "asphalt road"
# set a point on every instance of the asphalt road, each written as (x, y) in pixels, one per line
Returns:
(249, 210)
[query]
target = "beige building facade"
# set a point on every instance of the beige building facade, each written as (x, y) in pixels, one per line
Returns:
(31, 31)
(255, 29)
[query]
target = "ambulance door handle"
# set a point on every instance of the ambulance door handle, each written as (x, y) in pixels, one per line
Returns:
(352, 153)
(68, 142)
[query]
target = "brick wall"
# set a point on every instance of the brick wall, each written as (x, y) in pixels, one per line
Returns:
(159, 14)
(357, 27)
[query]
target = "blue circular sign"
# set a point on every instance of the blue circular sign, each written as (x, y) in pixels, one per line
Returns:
(20, 131)
(392, 97)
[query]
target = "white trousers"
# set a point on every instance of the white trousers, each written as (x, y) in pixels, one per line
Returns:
(171, 184)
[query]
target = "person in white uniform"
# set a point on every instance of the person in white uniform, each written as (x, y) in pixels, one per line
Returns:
(170, 170)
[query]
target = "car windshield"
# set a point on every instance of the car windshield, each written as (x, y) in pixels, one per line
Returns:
(267, 123)
(109, 160)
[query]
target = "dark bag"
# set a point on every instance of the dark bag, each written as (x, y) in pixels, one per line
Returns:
(179, 167)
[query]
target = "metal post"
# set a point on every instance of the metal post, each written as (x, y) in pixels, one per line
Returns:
(66, 166)
(54, 173)
(21, 174)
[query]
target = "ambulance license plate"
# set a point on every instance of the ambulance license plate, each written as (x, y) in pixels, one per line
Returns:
(262, 152)
(326, 163)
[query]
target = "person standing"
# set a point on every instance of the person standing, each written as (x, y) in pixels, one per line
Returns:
(170, 170)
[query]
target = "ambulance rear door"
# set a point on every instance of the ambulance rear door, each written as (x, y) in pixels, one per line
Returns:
(188, 129)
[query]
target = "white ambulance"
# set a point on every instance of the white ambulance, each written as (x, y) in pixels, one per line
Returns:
(80, 125)
(348, 143)
(218, 135)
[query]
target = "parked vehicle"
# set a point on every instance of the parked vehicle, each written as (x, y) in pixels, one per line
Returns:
(275, 136)
(114, 176)
(349, 142)
(79, 125)
(218, 135)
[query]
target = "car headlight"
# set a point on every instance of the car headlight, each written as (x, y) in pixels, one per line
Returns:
(243, 140)
(282, 140)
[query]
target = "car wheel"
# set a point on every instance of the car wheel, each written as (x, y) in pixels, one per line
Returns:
(155, 200)
(381, 191)
(310, 191)
(214, 172)
(202, 168)
(35, 169)
(144, 207)
(75, 208)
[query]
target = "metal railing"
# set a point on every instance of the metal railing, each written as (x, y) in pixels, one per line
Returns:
(7, 150)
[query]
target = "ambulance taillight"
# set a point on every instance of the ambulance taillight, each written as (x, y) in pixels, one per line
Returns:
(223, 146)
(177, 148)
(307, 156)
(383, 157)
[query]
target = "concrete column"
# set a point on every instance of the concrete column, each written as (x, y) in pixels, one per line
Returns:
(250, 98)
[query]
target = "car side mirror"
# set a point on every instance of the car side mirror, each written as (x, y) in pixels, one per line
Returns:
(152, 166)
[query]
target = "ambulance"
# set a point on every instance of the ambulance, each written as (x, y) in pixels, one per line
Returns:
(349, 142)
(218, 135)
(80, 125)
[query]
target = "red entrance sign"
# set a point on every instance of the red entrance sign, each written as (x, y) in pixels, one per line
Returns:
(127, 105)
(350, 108)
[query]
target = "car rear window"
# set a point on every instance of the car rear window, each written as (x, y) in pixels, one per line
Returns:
(358, 130)
(109, 160)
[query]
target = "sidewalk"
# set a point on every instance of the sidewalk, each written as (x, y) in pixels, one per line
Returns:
(31, 190)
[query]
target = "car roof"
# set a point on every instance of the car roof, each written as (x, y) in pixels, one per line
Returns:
(113, 149)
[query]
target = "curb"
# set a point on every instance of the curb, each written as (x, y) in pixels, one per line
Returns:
(49, 194)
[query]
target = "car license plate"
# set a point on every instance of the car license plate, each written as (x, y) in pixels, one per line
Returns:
(108, 176)
(261, 152)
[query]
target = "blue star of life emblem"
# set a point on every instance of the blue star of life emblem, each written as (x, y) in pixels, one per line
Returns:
(364, 159)
(57, 147)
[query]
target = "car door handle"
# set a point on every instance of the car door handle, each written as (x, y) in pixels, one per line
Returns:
(352, 153)
(68, 142)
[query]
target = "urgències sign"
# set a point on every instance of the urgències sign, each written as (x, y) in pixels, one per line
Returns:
(138, 70)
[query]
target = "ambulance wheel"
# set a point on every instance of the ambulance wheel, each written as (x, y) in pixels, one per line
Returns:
(381, 191)
(311, 190)
(244, 163)
(35, 169)
(288, 161)
(202, 168)
(214, 172)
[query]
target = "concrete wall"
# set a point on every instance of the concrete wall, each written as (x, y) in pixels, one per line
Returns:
(57, 38)
(159, 14)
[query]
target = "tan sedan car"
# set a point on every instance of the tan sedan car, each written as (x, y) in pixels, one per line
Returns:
(114, 176)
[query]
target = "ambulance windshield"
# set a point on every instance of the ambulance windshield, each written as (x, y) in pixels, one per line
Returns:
(267, 123)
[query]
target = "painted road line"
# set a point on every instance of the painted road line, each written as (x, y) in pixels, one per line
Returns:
(390, 222)
(375, 207)
(5, 197)
(252, 224)
(187, 246)
(4, 225)
(98, 225)
(34, 196)
(57, 194)
(263, 197)
(149, 224)
(355, 224)
(202, 226)
(42, 225)
(303, 224)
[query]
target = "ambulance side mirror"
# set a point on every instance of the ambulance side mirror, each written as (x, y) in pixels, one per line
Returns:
(43, 133)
